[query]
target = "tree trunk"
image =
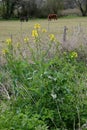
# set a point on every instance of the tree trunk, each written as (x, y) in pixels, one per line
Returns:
(7, 9)
(83, 12)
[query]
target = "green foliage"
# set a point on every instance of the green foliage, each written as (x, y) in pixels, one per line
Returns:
(49, 93)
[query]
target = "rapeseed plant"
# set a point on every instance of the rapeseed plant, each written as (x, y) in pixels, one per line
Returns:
(45, 85)
(37, 26)
(4, 51)
(74, 54)
(26, 39)
(52, 37)
(9, 41)
(18, 45)
(34, 33)
(44, 30)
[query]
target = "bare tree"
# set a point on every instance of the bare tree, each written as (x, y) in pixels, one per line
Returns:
(82, 5)
(54, 6)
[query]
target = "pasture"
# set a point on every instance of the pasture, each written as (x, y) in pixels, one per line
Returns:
(18, 30)
(75, 35)
(15, 28)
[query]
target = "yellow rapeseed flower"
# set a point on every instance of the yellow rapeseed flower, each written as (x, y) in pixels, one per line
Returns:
(37, 26)
(9, 41)
(74, 55)
(44, 30)
(52, 37)
(18, 45)
(26, 39)
(4, 51)
(34, 33)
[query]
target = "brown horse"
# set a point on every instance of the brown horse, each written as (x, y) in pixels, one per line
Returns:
(52, 16)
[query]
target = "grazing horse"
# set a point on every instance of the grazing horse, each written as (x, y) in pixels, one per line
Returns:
(24, 18)
(52, 16)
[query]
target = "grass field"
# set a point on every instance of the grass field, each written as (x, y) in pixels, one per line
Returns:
(18, 30)
(14, 28)
(77, 29)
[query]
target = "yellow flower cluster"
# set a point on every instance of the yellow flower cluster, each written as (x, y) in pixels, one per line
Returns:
(26, 39)
(34, 33)
(52, 37)
(74, 55)
(18, 45)
(9, 41)
(37, 26)
(4, 51)
(44, 30)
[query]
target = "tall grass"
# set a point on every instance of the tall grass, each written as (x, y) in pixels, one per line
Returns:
(42, 85)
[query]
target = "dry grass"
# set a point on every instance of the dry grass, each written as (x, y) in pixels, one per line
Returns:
(14, 27)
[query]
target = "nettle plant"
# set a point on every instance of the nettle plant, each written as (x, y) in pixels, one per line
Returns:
(48, 85)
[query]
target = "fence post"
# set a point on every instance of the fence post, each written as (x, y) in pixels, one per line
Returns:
(64, 33)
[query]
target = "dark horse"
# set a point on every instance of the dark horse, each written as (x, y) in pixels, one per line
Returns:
(52, 16)
(24, 18)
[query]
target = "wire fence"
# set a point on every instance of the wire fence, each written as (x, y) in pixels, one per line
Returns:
(63, 33)
(69, 36)
(66, 31)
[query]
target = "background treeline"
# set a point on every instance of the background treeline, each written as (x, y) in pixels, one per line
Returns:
(41, 8)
